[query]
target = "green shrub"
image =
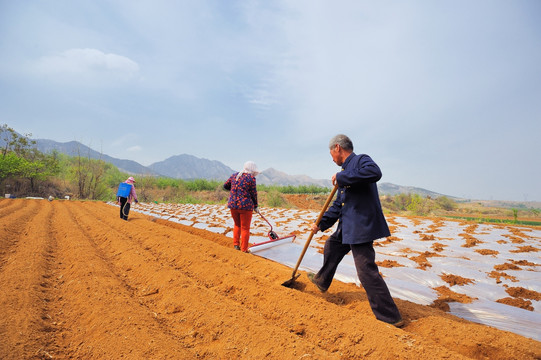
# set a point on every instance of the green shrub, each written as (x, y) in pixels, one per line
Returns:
(290, 189)
(445, 203)
(164, 183)
(202, 185)
(416, 205)
(187, 199)
(275, 199)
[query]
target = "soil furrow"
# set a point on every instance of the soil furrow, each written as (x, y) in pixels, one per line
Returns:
(52, 282)
(164, 286)
(13, 223)
(8, 206)
(81, 283)
(24, 298)
(99, 317)
(258, 293)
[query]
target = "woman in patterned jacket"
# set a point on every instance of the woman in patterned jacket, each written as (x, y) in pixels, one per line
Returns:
(242, 202)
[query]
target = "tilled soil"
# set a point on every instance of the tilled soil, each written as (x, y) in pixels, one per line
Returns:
(77, 282)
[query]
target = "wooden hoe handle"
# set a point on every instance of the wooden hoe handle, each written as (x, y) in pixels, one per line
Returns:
(329, 199)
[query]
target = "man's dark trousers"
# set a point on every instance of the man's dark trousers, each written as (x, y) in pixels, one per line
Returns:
(364, 256)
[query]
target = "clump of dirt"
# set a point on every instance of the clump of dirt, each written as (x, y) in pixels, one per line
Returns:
(524, 249)
(499, 275)
(446, 296)
(519, 298)
(517, 302)
(393, 224)
(435, 226)
(422, 259)
(487, 252)
(438, 247)
(407, 251)
(298, 329)
(514, 239)
(519, 232)
(426, 237)
(415, 220)
(520, 292)
(389, 264)
(321, 241)
(470, 240)
(456, 280)
(525, 263)
(389, 240)
(506, 266)
(518, 236)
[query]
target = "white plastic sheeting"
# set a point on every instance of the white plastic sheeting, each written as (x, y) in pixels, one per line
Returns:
(503, 247)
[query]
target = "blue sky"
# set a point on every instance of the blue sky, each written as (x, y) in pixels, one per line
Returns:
(443, 95)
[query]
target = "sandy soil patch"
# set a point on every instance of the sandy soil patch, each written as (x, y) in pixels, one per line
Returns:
(79, 283)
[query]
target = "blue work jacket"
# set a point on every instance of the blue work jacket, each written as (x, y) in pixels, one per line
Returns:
(357, 206)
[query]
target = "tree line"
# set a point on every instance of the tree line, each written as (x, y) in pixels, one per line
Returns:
(25, 171)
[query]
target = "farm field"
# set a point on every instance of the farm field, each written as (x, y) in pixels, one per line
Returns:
(79, 283)
(486, 273)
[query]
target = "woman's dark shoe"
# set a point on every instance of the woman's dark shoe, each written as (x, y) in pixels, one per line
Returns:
(311, 276)
(237, 247)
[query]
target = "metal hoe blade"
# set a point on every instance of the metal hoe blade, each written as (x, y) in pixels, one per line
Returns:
(290, 282)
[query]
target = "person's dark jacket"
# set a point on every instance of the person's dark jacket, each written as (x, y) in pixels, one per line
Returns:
(357, 205)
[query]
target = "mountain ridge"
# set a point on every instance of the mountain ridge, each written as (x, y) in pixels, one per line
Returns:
(189, 167)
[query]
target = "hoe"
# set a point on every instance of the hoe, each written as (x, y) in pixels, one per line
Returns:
(294, 276)
(273, 237)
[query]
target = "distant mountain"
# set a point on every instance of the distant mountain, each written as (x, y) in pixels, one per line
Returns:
(75, 148)
(190, 167)
(274, 177)
(392, 189)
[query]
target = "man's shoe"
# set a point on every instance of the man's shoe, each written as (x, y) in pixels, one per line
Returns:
(400, 323)
(237, 247)
(311, 277)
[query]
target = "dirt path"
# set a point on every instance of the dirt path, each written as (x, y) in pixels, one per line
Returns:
(78, 283)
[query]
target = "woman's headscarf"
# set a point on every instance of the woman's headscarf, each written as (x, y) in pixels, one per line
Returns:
(249, 168)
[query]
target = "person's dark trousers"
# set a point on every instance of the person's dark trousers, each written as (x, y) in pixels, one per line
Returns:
(124, 208)
(379, 297)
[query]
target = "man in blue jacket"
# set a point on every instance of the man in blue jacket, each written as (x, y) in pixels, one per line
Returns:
(360, 221)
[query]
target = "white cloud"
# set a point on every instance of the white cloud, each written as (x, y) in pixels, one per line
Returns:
(135, 148)
(87, 64)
